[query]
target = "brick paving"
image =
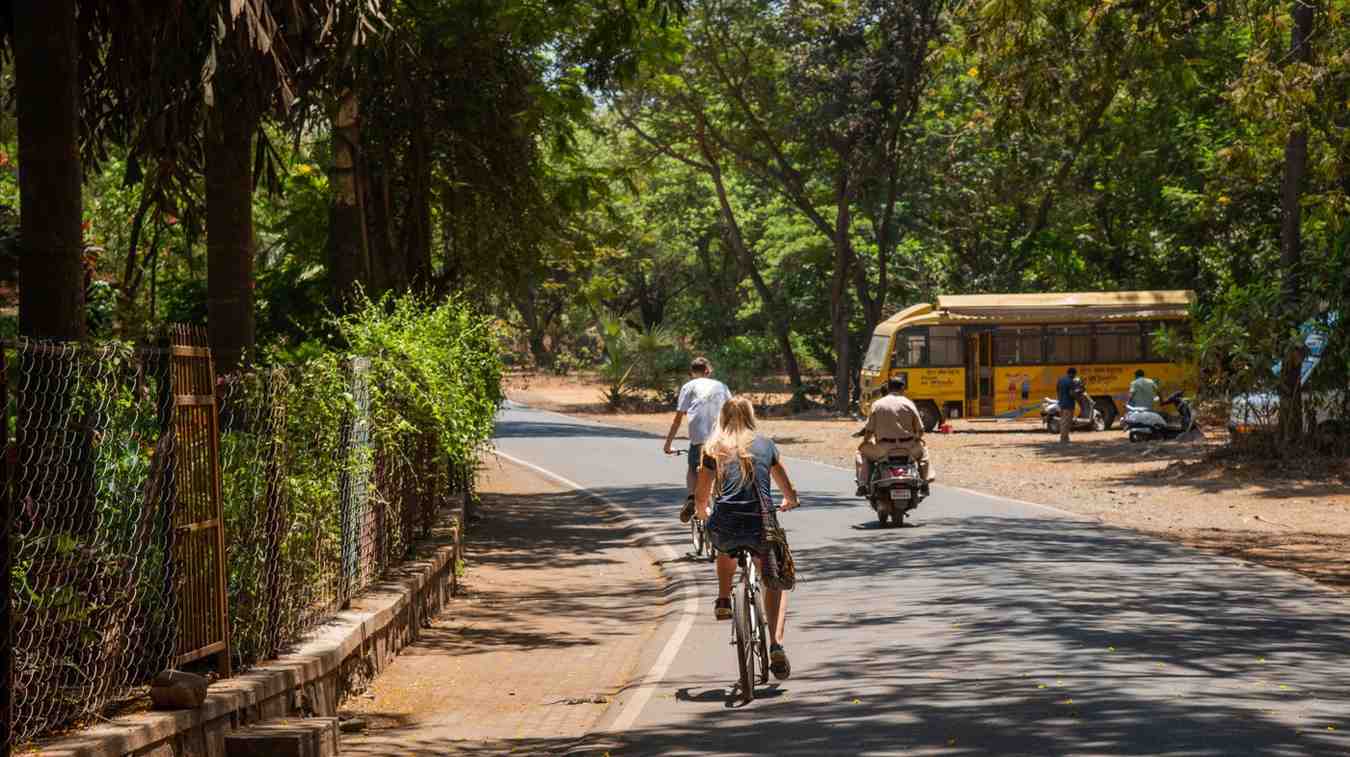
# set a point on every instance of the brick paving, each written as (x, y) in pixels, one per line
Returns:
(554, 609)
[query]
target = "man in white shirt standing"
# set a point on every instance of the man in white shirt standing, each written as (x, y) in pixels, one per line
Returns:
(701, 399)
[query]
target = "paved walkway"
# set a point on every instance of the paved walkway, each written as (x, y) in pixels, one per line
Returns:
(555, 608)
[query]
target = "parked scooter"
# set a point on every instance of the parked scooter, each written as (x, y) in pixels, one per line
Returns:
(894, 488)
(1090, 421)
(1146, 424)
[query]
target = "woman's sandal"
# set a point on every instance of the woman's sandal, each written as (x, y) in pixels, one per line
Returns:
(722, 609)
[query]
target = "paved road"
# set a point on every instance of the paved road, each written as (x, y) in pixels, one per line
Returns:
(990, 627)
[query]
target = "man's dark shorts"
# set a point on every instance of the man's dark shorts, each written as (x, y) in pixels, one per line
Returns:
(695, 457)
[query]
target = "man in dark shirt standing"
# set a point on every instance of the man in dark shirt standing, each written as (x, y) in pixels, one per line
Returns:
(1066, 403)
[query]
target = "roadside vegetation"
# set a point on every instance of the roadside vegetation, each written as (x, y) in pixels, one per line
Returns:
(621, 185)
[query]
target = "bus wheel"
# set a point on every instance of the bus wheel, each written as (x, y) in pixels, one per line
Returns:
(930, 415)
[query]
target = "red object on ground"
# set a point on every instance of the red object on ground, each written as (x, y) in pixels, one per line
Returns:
(945, 428)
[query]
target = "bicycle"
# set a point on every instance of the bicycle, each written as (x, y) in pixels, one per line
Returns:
(698, 531)
(749, 628)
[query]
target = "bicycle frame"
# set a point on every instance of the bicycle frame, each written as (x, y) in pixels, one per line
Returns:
(749, 632)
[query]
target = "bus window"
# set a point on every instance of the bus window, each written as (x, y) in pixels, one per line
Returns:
(876, 353)
(1069, 344)
(1017, 345)
(1118, 343)
(944, 346)
(909, 351)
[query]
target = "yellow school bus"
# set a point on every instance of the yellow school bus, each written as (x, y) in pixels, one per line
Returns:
(997, 355)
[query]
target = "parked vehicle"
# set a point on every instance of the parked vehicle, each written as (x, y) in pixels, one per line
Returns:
(1260, 411)
(1145, 424)
(895, 488)
(1050, 413)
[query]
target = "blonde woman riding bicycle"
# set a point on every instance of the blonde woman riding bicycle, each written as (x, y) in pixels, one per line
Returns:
(735, 472)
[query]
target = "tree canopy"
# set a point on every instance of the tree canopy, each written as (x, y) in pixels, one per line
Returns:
(765, 181)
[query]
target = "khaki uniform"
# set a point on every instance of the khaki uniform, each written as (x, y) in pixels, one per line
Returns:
(894, 427)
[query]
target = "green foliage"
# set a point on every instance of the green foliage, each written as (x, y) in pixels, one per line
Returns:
(435, 368)
(336, 441)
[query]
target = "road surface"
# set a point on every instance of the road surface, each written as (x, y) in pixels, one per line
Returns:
(989, 627)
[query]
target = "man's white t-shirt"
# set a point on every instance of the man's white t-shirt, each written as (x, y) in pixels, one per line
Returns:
(701, 400)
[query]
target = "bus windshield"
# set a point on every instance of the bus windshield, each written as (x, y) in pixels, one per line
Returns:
(876, 353)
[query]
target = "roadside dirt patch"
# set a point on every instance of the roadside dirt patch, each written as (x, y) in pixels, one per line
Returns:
(1295, 517)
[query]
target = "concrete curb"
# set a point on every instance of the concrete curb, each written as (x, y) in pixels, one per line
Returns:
(332, 661)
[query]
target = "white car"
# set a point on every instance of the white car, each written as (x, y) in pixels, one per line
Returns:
(1260, 411)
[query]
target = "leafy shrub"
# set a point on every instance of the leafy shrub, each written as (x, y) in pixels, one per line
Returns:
(434, 368)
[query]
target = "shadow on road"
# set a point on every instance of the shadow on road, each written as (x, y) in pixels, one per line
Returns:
(560, 430)
(982, 634)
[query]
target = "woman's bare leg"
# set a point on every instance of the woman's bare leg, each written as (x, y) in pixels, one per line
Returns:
(726, 570)
(775, 605)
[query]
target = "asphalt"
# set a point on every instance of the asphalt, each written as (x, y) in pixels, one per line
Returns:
(989, 626)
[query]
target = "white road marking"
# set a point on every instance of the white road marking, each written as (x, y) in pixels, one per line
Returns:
(632, 708)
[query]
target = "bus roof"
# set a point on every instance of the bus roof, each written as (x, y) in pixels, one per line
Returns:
(1059, 307)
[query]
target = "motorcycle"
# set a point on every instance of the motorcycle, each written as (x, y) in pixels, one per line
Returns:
(894, 488)
(1093, 421)
(1145, 424)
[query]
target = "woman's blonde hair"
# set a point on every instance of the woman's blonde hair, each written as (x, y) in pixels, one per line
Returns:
(733, 437)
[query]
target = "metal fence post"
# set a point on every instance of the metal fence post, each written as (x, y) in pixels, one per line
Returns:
(345, 504)
(272, 503)
(6, 602)
(165, 466)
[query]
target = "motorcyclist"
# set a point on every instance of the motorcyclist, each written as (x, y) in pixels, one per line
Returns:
(1143, 391)
(894, 427)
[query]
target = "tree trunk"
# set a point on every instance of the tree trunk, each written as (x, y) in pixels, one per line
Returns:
(229, 232)
(348, 250)
(840, 304)
(778, 311)
(388, 263)
(419, 248)
(529, 314)
(1291, 241)
(51, 240)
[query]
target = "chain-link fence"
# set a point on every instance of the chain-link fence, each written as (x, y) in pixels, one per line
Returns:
(318, 502)
(317, 506)
(91, 602)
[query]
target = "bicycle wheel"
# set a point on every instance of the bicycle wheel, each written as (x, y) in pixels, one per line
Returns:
(696, 536)
(745, 649)
(761, 638)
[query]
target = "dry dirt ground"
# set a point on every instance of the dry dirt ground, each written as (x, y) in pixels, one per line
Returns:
(1187, 492)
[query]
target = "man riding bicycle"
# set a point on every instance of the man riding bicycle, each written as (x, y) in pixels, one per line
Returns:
(701, 399)
(737, 467)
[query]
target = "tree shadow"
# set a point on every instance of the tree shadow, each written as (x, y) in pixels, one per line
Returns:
(538, 429)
